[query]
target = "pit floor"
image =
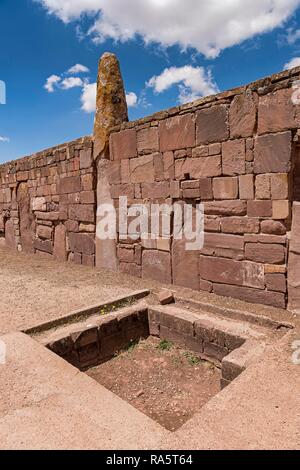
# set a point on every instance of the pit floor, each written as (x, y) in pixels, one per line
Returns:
(161, 380)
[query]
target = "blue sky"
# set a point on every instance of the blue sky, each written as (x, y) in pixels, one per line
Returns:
(202, 52)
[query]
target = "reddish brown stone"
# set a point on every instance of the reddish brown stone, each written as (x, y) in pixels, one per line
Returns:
(185, 264)
(87, 197)
(165, 297)
(44, 232)
(118, 190)
(211, 223)
(225, 208)
(272, 153)
(227, 271)
(198, 167)
(82, 243)
(277, 112)
(71, 184)
(123, 145)
(246, 187)
(87, 182)
(223, 245)
(86, 158)
(293, 282)
(212, 125)
(281, 209)
(263, 187)
(43, 245)
(169, 167)
(157, 265)
(177, 133)
(126, 255)
(82, 213)
(158, 167)
(280, 186)
(131, 269)
(225, 188)
(159, 190)
(147, 140)
(201, 188)
(60, 249)
(273, 227)
(233, 157)
(114, 172)
(265, 253)
(10, 238)
(240, 225)
(142, 169)
(276, 282)
(206, 286)
(256, 296)
(242, 115)
(88, 260)
(259, 208)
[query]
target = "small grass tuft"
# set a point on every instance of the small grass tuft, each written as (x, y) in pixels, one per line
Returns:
(165, 345)
(191, 358)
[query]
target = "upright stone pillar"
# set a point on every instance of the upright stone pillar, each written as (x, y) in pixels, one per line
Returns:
(111, 110)
(294, 262)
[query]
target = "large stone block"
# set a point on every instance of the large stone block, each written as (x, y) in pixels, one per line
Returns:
(242, 116)
(60, 248)
(86, 159)
(273, 227)
(123, 145)
(277, 112)
(157, 265)
(198, 167)
(185, 265)
(259, 208)
(71, 184)
(227, 271)
(255, 296)
(201, 188)
(82, 213)
(246, 187)
(142, 169)
(225, 188)
(160, 190)
(212, 125)
(279, 186)
(240, 225)
(265, 253)
(234, 157)
(223, 245)
(225, 208)
(177, 133)
(82, 243)
(147, 140)
(10, 238)
(276, 282)
(272, 153)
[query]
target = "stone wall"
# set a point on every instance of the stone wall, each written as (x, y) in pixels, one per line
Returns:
(47, 203)
(237, 152)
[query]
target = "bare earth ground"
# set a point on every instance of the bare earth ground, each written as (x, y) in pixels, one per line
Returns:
(168, 385)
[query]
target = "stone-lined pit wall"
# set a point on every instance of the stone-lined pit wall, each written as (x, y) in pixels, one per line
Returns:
(48, 203)
(237, 152)
(233, 152)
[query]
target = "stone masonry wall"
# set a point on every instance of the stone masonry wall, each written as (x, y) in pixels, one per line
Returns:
(233, 152)
(47, 203)
(237, 152)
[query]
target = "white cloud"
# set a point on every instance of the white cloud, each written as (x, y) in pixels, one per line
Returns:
(209, 26)
(193, 82)
(88, 97)
(295, 62)
(71, 82)
(4, 139)
(131, 99)
(78, 68)
(51, 83)
(293, 35)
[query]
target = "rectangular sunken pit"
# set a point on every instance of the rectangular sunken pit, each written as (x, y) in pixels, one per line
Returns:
(167, 361)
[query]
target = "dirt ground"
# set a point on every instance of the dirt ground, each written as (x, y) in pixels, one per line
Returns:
(161, 380)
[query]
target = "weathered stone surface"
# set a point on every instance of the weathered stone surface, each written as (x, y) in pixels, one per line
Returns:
(276, 282)
(225, 208)
(273, 227)
(223, 245)
(10, 238)
(86, 158)
(131, 269)
(71, 184)
(111, 106)
(87, 197)
(240, 225)
(212, 223)
(82, 243)
(279, 186)
(60, 248)
(126, 255)
(177, 133)
(147, 140)
(272, 153)
(39, 204)
(294, 282)
(27, 222)
(198, 167)
(265, 253)
(295, 239)
(275, 299)
(281, 210)
(43, 245)
(44, 232)
(234, 157)
(160, 190)
(185, 264)
(118, 190)
(263, 187)
(246, 187)
(259, 208)
(201, 188)
(123, 145)
(157, 265)
(242, 116)
(165, 297)
(277, 112)
(225, 188)
(226, 271)
(82, 212)
(142, 169)
(212, 125)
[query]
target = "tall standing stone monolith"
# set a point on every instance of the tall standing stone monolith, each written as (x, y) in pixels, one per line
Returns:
(111, 110)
